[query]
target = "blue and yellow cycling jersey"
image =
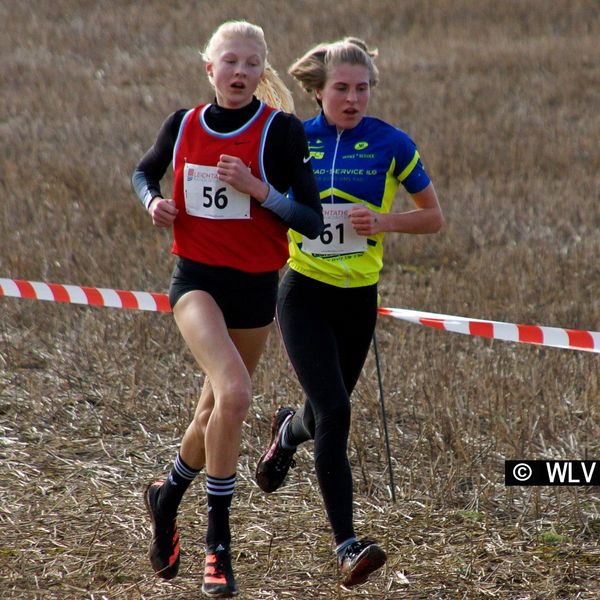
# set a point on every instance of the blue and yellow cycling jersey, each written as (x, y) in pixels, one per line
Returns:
(363, 165)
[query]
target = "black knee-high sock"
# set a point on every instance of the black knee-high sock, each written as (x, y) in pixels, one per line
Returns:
(171, 493)
(219, 492)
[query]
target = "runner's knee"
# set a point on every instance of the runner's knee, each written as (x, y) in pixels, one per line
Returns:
(233, 400)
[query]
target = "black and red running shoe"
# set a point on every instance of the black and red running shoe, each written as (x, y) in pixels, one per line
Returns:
(359, 560)
(219, 581)
(164, 547)
(274, 464)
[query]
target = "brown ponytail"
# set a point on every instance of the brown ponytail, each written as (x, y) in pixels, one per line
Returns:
(311, 69)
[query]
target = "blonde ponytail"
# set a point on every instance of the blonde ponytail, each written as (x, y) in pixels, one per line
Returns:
(273, 91)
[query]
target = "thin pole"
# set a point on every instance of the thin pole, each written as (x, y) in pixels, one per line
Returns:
(384, 418)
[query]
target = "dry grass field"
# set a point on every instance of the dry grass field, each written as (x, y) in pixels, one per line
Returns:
(503, 98)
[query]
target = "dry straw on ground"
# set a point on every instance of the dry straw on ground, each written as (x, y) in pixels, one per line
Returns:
(503, 99)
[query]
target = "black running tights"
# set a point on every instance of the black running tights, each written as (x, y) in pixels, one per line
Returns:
(327, 332)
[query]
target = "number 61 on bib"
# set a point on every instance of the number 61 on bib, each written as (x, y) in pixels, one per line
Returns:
(338, 236)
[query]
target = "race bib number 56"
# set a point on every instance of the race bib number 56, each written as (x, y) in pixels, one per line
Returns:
(206, 196)
(338, 236)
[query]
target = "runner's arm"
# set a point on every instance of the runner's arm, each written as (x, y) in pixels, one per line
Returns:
(155, 162)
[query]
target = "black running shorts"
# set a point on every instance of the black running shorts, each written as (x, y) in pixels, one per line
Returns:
(247, 300)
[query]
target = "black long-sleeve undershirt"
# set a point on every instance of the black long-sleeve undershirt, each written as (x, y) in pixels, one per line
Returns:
(284, 159)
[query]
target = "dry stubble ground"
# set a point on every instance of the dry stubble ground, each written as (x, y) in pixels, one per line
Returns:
(502, 99)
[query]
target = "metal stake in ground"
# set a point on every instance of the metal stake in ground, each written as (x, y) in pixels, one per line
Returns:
(384, 419)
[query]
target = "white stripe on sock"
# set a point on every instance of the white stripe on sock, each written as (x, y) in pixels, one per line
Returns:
(220, 487)
(183, 471)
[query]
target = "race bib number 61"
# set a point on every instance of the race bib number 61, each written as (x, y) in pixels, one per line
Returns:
(338, 236)
(206, 196)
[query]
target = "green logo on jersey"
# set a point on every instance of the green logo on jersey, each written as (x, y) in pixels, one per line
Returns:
(316, 149)
(360, 145)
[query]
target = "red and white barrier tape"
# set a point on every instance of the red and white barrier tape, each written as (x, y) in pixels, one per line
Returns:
(573, 339)
(74, 294)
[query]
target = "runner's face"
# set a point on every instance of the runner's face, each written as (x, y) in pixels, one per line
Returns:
(236, 70)
(345, 95)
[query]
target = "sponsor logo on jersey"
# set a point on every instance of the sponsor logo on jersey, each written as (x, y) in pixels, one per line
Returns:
(355, 156)
(316, 149)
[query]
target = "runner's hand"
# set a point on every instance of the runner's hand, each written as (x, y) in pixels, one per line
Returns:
(232, 170)
(365, 221)
(163, 211)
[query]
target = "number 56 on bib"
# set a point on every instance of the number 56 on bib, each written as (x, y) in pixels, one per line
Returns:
(206, 196)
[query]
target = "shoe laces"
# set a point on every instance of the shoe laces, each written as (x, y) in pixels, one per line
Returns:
(355, 548)
(219, 566)
(221, 561)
